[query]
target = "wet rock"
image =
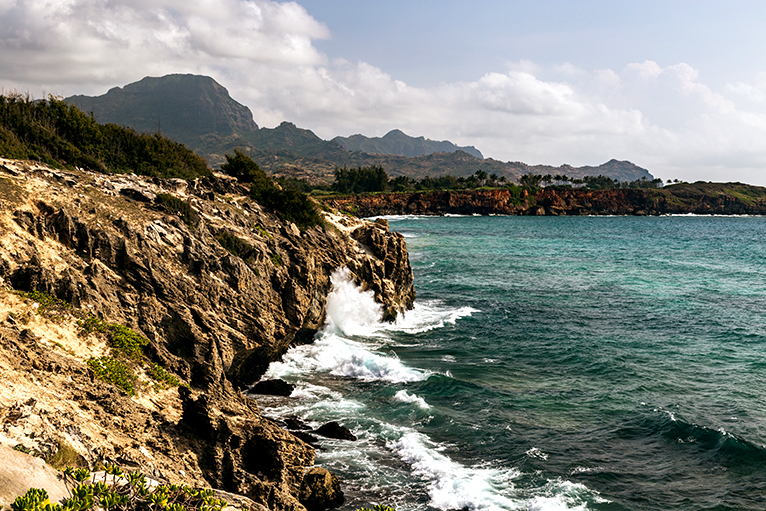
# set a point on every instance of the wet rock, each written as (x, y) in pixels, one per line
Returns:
(320, 490)
(273, 388)
(335, 430)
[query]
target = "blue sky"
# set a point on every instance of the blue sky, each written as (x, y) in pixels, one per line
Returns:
(677, 87)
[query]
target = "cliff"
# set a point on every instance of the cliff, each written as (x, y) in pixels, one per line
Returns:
(111, 247)
(698, 198)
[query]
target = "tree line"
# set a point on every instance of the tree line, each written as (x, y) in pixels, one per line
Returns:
(374, 179)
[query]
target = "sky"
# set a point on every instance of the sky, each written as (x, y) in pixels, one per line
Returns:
(677, 87)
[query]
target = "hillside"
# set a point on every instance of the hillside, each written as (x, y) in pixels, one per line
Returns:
(207, 286)
(398, 143)
(679, 199)
(183, 107)
(199, 112)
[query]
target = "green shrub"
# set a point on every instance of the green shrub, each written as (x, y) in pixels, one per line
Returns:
(21, 448)
(183, 209)
(126, 341)
(289, 204)
(115, 372)
(244, 168)
(59, 134)
(276, 259)
(235, 246)
(49, 306)
(379, 507)
(163, 378)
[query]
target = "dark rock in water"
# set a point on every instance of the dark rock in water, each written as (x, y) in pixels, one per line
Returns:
(320, 490)
(273, 388)
(306, 437)
(294, 423)
(335, 430)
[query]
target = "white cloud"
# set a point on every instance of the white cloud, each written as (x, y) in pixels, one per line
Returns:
(665, 118)
(95, 42)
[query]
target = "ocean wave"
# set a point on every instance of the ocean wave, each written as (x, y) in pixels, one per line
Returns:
(343, 357)
(450, 484)
(350, 310)
(406, 397)
(427, 316)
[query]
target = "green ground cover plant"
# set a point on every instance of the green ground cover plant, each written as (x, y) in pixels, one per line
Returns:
(121, 491)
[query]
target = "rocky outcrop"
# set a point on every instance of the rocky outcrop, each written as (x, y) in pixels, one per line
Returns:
(213, 317)
(321, 490)
(22, 472)
(697, 198)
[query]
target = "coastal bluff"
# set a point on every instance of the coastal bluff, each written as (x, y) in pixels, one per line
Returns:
(219, 287)
(697, 198)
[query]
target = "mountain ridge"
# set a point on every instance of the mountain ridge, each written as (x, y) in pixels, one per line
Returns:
(396, 142)
(200, 113)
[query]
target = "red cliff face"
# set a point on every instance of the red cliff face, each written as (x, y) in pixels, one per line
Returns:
(720, 199)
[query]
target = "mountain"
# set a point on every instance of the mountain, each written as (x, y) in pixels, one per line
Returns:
(398, 143)
(198, 111)
(181, 106)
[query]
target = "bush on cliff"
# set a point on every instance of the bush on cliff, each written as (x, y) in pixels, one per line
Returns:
(288, 204)
(59, 134)
(123, 491)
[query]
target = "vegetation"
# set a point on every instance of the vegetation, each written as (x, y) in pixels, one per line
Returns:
(375, 179)
(181, 208)
(59, 134)
(533, 181)
(123, 491)
(115, 372)
(360, 180)
(126, 344)
(289, 204)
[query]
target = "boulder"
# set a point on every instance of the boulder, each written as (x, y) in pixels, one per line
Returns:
(19, 472)
(335, 430)
(320, 490)
(273, 388)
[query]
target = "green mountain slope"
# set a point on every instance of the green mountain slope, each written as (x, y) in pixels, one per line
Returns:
(183, 107)
(397, 142)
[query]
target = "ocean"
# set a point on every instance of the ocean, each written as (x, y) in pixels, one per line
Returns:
(550, 363)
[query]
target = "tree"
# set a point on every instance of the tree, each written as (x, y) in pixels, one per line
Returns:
(530, 180)
(243, 168)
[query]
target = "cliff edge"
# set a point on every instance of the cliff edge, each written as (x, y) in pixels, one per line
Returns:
(219, 288)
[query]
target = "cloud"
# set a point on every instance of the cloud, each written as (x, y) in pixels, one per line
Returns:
(96, 42)
(665, 118)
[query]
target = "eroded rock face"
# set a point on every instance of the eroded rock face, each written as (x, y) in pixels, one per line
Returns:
(321, 490)
(215, 318)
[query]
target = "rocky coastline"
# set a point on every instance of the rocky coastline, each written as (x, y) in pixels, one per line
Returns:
(697, 198)
(213, 316)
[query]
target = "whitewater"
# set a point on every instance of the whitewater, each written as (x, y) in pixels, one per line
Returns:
(549, 364)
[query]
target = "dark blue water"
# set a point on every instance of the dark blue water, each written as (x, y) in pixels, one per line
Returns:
(604, 363)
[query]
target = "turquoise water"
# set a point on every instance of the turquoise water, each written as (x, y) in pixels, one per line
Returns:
(604, 363)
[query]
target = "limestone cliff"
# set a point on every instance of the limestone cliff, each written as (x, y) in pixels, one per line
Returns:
(216, 318)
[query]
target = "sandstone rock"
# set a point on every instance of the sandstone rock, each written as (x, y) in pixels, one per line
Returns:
(20, 472)
(320, 490)
(214, 319)
(335, 430)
